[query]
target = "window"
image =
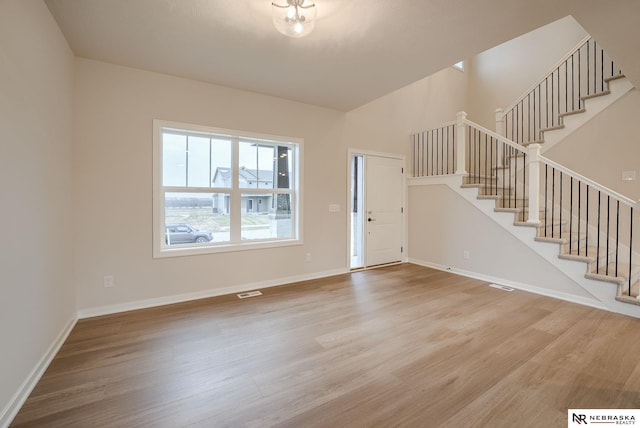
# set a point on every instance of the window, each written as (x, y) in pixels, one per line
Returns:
(220, 190)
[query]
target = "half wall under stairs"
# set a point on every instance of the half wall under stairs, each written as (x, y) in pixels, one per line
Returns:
(450, 222)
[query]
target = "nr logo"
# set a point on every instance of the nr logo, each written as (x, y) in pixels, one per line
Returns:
(580, 419)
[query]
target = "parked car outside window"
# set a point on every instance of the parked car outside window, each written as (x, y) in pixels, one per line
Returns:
(185, 234)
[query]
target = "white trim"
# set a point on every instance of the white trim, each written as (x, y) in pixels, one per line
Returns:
(405, 200)
(225, 131)
(539, 81)
(405, 212)
(514, 284)
(448, 179)
(350, 155)
(17, 401)
(187, 249)
(161, 250)
(179, 298)
(591, 183)
(374, 153)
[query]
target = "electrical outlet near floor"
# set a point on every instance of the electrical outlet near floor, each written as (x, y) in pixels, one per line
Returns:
(108, 281)
(465, 254)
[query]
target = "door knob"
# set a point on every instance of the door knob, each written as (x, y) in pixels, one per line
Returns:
(371, 219)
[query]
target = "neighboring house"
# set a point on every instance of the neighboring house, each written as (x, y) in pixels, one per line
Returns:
(249, 178)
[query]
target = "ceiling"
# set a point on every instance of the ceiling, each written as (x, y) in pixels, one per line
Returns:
(359, 50)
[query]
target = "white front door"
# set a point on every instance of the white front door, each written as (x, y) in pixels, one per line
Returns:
(383, 210)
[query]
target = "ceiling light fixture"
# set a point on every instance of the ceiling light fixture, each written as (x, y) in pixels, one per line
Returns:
(295, 19)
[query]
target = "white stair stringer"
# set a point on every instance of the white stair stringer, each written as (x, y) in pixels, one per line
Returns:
(604, 293)
(592, 106)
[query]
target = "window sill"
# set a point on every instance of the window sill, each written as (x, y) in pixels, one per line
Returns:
(182, 251)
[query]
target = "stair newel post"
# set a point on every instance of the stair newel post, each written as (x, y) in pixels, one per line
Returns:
(461, 140)
(534, 183)
(500, 131)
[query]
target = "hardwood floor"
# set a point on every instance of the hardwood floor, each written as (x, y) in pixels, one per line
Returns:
(397, 346)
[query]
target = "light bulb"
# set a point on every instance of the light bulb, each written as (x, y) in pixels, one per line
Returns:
(288, 19)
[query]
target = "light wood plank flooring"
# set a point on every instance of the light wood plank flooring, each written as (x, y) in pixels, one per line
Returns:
(399, 346)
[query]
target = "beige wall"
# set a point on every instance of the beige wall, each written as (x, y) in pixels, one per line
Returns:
(605, 146)
(443, 225)
(114, 110)
(37, 298)
(386, 123)
(47, 96)
(498, 76)
(614, 26)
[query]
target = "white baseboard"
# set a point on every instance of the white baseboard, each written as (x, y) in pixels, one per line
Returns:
(179, 298)
(514, 284)
(18, 399)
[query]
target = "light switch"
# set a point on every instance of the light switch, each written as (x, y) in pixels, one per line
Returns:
(334, 208)
(628, 175)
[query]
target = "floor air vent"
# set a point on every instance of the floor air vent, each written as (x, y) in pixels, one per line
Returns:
(501, 287)
(249, 294)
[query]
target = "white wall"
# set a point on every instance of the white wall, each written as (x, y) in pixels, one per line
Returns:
(37, 300)
(114, 109)
(498, 76)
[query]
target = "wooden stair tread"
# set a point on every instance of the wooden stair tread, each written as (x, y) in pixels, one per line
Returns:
(552, 128)
(572, 112)
(615, 77)
(595, 95)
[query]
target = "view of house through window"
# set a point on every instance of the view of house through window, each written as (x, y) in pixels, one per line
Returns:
(221, 191)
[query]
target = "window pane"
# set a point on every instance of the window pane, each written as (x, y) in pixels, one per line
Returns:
(196, 218)
(221, 163)
(174, 160)
(198, 162)
(256, 165)
(284, 167)
(265, 166)
(266, 216)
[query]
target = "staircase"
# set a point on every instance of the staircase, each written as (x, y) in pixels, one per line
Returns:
(579, 86)
(583, 228)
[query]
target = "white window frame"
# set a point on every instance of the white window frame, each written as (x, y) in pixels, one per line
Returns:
(161, 249)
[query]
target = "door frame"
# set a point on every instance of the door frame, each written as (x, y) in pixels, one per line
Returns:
(402, 158)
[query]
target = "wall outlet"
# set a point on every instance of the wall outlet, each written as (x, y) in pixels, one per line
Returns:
(334, 208)
(108, 281)
(308, 257)
(628, 175)
(465, 254)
